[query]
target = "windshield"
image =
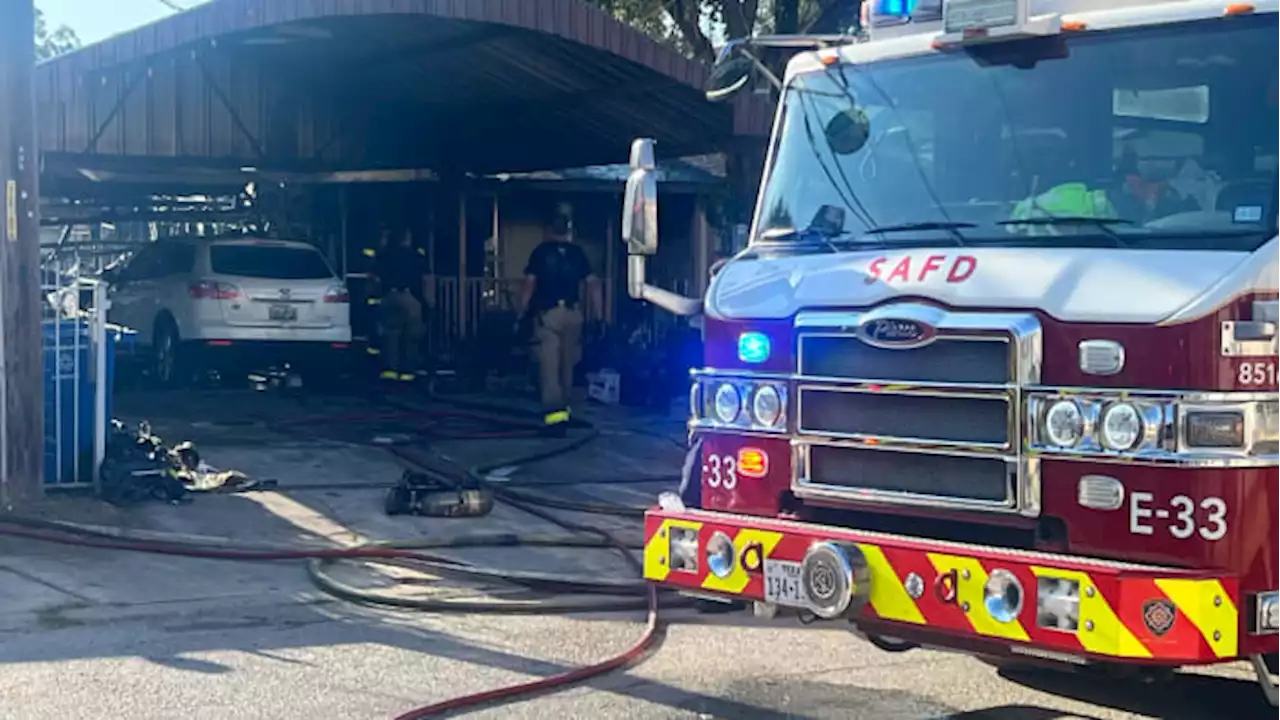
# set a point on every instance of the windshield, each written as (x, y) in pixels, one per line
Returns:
(1151, 138)
(270, 262)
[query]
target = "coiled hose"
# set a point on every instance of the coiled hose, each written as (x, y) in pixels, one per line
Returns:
(610, 594)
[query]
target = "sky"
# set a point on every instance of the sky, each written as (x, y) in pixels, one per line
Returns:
(95, 20)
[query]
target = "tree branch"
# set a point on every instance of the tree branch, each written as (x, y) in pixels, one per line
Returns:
(685, 15)
(740, 16)
(834, 16)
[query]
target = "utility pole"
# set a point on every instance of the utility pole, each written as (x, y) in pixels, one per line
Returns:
(21, 374)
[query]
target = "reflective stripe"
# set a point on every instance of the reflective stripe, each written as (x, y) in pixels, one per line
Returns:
(369, 252)
(1113, 604)
(388, 375)
(373, 351)
(374, 301)
(557, 417)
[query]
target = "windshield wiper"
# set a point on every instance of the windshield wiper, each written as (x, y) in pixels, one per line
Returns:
(804, 236)
(1103, 224)
(952, 227)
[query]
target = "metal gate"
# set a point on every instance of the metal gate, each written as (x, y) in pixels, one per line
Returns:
(77, 359)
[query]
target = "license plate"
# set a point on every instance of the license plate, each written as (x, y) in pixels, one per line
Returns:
(282, 312)
(782, 583)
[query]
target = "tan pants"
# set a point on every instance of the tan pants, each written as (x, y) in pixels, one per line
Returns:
(559, 334)
(401, 331)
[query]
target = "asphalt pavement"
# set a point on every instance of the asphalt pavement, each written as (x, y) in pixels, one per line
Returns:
(103, 634)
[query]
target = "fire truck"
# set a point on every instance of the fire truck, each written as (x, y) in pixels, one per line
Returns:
(996, 372)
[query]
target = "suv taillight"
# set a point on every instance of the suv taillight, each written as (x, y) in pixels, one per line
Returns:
(337, 294)
(210, 290)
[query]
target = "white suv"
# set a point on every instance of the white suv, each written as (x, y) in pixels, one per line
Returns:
(232, 303)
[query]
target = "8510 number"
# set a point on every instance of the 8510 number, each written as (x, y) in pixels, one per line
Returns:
(1257, 374)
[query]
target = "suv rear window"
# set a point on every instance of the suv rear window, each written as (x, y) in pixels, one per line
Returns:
(267, 261)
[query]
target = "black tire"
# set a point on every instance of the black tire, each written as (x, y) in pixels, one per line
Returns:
(166, 366)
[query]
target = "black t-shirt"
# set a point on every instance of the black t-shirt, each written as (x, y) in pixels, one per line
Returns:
(400, 268)
(560, 268)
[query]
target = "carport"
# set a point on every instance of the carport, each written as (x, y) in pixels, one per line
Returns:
(324, 85)
(305, 98)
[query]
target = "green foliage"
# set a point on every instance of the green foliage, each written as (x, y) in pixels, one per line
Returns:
(696, 27)
(52, 43)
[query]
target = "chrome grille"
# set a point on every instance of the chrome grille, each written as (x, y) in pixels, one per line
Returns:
(985, 481)
(945, 360)
(943, 418)
(934, 422)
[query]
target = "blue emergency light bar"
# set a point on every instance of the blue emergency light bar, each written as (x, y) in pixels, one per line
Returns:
(896, 8)
(896, 12)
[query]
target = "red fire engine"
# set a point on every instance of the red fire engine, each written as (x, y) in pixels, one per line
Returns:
(997, 370)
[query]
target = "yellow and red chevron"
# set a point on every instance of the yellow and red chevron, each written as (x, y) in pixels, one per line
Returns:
(1113, 599)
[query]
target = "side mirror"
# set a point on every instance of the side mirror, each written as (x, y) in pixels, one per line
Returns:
(640, 202)
(640, 232)
(731, 72)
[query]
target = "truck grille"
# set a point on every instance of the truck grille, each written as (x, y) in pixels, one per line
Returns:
(960, 361)
(936, 423)
(963, 480)
(965, 420)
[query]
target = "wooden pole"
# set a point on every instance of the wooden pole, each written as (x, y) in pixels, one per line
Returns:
(21, 375)
(463, 328)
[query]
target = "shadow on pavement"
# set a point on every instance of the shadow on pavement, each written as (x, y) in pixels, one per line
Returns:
(1017, 712)
(168, 610)
(1184, 696)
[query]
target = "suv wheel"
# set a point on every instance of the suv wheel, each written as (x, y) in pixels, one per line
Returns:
(165, 366)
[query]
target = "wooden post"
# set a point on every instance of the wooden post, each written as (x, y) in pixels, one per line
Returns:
(610, 273)
(701, 247)
(462, 264)
(21, 373)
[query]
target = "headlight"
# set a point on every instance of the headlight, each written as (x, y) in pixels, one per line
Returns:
(1002, 596)
(728, 403)
(1121, 426)
(1224, 429)
(766, 405)
(1064, 423)
(721, 557)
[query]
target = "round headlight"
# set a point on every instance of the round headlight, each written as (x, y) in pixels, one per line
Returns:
(766, 406)
(1064, 423)
(728, 403)
(721, 557)
(1002, 596)
(1121, 426)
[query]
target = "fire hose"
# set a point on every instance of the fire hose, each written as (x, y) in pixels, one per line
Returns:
(611, 594)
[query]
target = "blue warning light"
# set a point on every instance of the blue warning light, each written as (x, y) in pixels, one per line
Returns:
(895, 8)
(753, 347)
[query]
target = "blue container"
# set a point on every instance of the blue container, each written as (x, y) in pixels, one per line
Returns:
(69, 386)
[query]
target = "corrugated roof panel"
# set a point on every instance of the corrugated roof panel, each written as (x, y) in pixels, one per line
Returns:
(304, 79)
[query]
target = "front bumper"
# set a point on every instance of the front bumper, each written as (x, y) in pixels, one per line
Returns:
(934, 590)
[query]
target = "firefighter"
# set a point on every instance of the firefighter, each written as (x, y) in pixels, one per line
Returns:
(552, 298)
(404, 285)
(373, 297)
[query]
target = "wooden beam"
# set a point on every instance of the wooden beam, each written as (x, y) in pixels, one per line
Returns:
(21, 371)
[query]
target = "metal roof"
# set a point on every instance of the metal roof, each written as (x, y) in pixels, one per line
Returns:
(466, 85)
